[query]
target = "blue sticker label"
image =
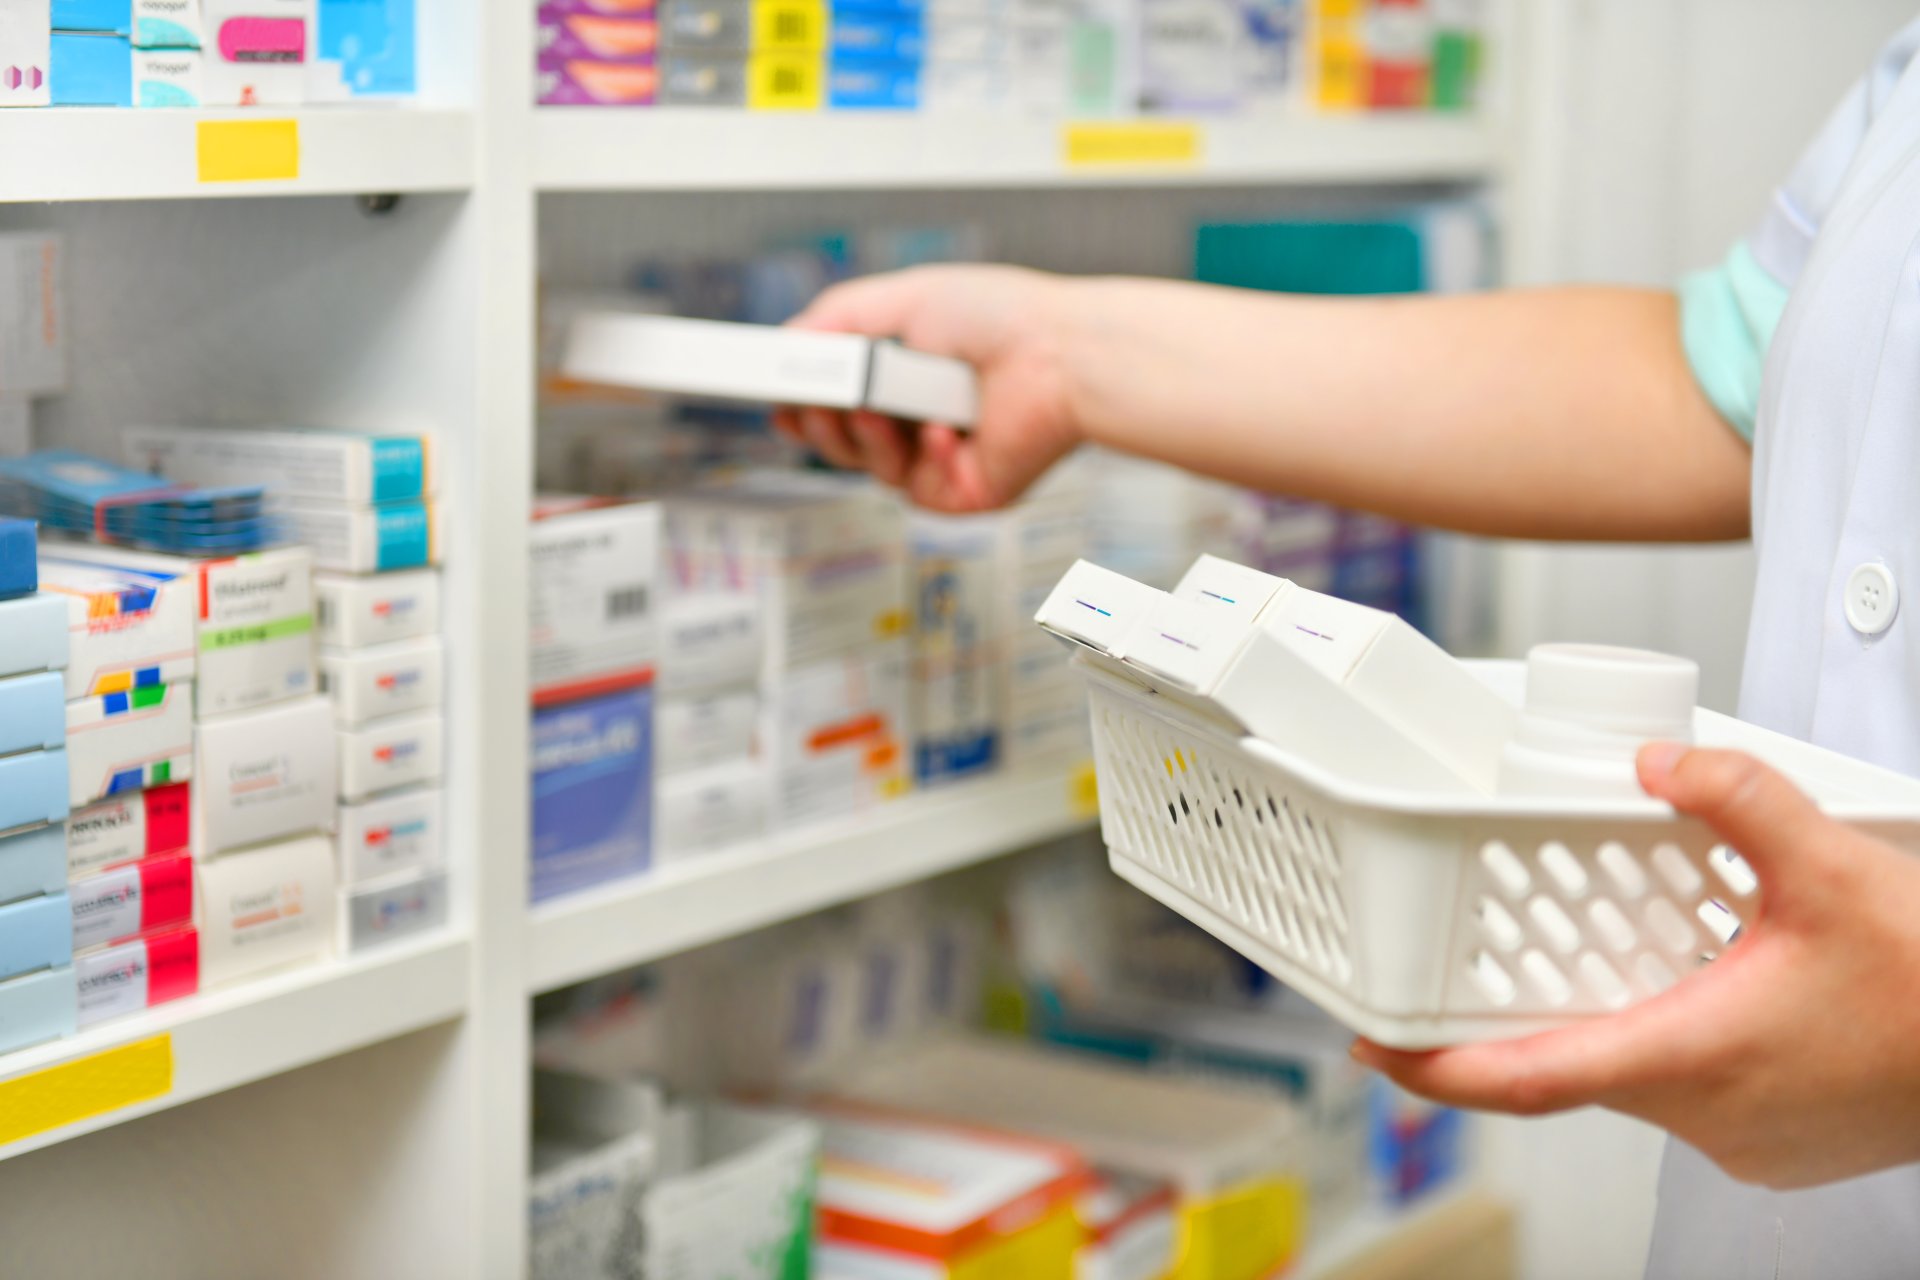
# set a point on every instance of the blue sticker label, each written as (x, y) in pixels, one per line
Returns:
(399, 469)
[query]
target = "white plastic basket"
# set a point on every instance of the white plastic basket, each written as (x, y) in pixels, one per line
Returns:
(1422, 920)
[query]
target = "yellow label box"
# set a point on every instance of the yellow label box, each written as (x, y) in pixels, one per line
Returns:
(1130, 144)
(789, 26)
(86, 1087)
(785, 82)
(248, 150)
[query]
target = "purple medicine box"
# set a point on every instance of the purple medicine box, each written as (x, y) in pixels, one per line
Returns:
(592, 791)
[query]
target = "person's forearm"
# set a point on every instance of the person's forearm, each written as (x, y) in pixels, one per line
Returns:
(1566, 413)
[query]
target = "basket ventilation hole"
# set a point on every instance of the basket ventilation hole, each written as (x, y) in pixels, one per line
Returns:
(1733, 870)
(1561, 932)
(1669, 925)
(1721, 922)
(1615, 929)
(1546, 978)
(1653, 973)
(1499, 927)
(1499, 860)
(1603, 981)
(1622, 869)
(1673, 867)
(1564, 868)
(1492, 978)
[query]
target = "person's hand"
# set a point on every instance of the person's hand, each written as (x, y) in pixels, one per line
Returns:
(1004, 321)
(1791, 1060)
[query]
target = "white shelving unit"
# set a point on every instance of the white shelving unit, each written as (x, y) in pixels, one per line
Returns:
(733, 893)
(261, 308)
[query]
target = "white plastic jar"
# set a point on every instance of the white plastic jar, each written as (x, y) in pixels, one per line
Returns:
(1589, 709)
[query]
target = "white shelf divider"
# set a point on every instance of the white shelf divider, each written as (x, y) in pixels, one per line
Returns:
(88, 153)
(737, 891)
(236, 1035)
(662, 149)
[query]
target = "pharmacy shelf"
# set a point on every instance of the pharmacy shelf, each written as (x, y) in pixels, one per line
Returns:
(222, 1039)
(601, 149)
(731, 893)
(76, 153)
(1382, 1243)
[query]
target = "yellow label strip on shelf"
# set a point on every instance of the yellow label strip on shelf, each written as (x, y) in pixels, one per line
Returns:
(249, 150)
(86, 1087)
(1109, 144)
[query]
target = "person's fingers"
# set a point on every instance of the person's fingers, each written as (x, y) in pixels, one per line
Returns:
(1666, 1038)
(786, 420)
(826, 431)
(945, 474)
(1772, 823)
(879, 306)
(883, 445)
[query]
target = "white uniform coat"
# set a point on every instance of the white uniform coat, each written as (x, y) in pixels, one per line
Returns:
(1833, 656)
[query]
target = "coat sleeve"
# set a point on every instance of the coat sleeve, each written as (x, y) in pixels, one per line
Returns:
(1728, 314)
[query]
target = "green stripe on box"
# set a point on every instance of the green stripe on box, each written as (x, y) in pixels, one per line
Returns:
(146, 695)
(260, 633)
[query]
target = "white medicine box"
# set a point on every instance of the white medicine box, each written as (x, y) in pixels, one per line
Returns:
(825, 558)
(383, 680)
(593, 596)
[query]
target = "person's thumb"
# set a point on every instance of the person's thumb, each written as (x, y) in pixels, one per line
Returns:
(1766, 819)
(878, 306)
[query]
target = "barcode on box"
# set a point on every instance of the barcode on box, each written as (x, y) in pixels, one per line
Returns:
(626, 602)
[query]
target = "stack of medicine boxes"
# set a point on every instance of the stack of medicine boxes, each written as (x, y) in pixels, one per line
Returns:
(711, 791)
(125, 53)
(967, 64)
(592, 636)
(986, 689)
(261, 776)
(593, 53)
(129, 716)
(36, 938)
(763, 54)
(825, 560)
(366, 507)
(874, 53)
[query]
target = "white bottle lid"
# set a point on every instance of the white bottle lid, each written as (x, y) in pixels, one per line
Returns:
(1589, 709)
(1632, 692)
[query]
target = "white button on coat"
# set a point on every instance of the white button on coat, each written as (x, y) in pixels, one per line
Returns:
(1872, 599)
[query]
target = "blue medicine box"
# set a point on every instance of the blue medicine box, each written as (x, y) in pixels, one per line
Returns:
(36, 933)
(33, 634)
(878, 33)
(110, 17)
(33, 862)
(33, 712)
(372, 42)
(33, 788)
(41, 1006)
(873, 84)
(19, 558)
(592, 791)
(91, 70)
